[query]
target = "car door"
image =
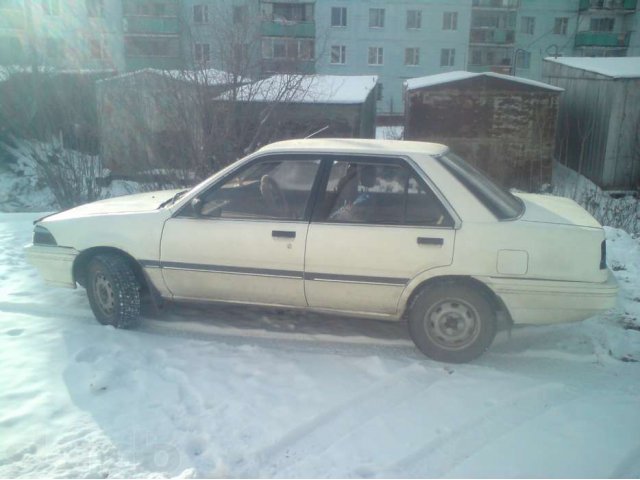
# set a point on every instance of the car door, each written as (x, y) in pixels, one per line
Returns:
(376, 225)
(243, 239)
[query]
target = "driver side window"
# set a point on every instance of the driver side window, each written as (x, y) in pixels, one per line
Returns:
(267, 189)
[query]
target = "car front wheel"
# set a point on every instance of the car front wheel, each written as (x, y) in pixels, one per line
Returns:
(113, 290)
(452, 322)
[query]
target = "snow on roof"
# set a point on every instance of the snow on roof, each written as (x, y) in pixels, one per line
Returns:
(359, 145)
(450, 77)
(308, 89)
(614, 67)
(7, 70)
(209, 76)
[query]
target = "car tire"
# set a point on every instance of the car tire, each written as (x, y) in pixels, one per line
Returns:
(452, 322)
(113, 290)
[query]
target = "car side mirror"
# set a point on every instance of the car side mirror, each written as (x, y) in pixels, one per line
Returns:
(196, 205)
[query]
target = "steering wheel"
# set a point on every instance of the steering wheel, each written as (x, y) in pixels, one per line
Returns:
(273, 196)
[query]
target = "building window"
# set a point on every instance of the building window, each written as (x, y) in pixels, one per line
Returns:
(376, 56)
(51, 7)
(412, 56)
(201, 53)
(523, 60)
(476, 57)
(561, 25)
(280, 48)
(338, 16)
(528, 25)
(95, 8)
(240, 15)
(447, 57)
(602, 24)
(338, 54)
(293, 12)
(414, 19)
(200, 14)
(379, 92)
(450, 21)
(96, 48)
(376, 18)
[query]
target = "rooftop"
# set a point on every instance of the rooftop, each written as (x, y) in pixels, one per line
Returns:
(614, 67)
(456, 76)
(309, 89)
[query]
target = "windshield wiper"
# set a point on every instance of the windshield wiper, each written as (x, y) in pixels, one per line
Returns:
(173, 199)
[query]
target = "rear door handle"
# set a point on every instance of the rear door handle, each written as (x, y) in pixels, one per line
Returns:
(283, 234)
(430, 241)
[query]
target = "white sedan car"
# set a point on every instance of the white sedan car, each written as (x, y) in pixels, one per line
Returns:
(381, 229)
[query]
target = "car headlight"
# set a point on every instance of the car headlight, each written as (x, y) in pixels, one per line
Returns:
(42, 236)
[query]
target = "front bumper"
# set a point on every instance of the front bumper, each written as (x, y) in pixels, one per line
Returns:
(54, 263)
(551, 301)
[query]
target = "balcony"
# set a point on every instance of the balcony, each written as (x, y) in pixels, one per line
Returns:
(602, 39)
(150, 24)
(11, 18)
(289, 29)
(629, 5)
(492, 36)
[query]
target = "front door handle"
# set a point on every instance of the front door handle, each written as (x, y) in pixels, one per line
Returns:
(283, 234)
(430, 241)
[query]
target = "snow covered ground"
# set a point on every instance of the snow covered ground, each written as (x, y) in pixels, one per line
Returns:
(236, 392)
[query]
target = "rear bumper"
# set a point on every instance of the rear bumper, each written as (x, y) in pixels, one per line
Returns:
(546, 301)
(55, 264)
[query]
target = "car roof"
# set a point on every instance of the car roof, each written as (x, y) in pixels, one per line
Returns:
(357, 145)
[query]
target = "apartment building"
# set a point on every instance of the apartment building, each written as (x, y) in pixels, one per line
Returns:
(394, 40)
(57, 33)
(605, 27)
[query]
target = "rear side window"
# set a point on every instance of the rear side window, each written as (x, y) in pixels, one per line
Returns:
(503, 204)
(379, 193)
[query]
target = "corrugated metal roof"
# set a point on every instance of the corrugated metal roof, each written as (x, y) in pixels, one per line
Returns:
(614, 67)
(450, 77)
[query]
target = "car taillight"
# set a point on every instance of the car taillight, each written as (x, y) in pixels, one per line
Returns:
(603, 255)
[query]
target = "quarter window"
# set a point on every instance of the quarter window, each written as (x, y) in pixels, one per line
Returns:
(273, 189)
(379, 193)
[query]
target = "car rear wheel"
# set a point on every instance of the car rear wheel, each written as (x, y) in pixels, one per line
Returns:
(113, 290)
(452, 322)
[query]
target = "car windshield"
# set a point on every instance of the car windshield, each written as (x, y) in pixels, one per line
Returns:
(502, 203)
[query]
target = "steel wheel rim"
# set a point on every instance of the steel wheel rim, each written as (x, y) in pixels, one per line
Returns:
(452, 324)
(104, 294)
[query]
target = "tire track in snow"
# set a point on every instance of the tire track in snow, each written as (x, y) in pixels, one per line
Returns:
(322, 431)
(443, 454)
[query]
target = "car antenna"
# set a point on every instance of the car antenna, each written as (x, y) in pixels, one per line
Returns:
(317, 132)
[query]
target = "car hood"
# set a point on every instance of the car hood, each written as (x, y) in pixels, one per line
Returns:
(552, 209)
(141, 202)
